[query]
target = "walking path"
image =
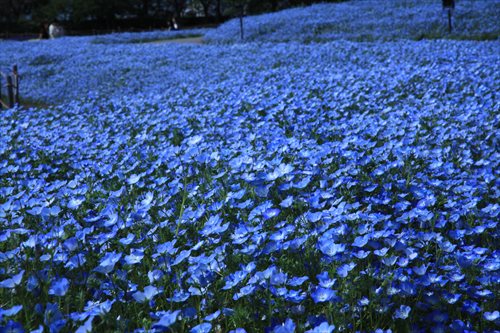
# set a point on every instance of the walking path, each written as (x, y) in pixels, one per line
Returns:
(188, 40)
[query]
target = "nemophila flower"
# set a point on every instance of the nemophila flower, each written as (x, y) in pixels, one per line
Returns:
(270, 213)
(233, 279)
(364, 301)
(297, 281)
(324, 327)
(13, 281)
(38, 330)
(179, 296)
(344, 270)
(53, 317)
(361, 241)
(321, 295)
(389, 261)
(278, 278)
(181, 257)
(149, 293)
(12, 327)
(287, 327)
(238, 330)
(10, 312)
(59, 287)
(324, 280)
(471, 307)
(361, 254)
(491, 316)
(420, 270)
(133, 179)
(213, 316)
(314, 217)
(74, 203)
(86, 327)
(329, 248)
(403, 312)
(381, 252)
(451, 298)
(201, 328)
(287, 202)
(76, 261)
(295, 296)
(135, 256)
(167, 319)
(245, 291)
(108, 262)
(127, 240)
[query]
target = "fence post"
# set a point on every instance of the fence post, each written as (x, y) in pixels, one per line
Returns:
(10, 91)
(16, 84)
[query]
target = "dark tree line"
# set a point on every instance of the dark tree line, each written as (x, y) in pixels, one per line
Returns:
(78, 12)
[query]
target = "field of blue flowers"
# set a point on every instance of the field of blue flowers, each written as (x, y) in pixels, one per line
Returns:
(276, 185)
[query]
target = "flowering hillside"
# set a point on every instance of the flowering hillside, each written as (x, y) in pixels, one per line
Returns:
(365, 20)
(259, 187)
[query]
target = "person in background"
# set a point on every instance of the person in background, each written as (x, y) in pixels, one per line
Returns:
(173, 24)
(55, 30)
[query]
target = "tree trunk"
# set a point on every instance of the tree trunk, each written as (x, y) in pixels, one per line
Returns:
(145, 8)
(206, 7)
(218, 10)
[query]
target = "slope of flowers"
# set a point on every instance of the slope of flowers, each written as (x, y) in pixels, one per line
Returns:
(215, 188)
(367, 21)
(148, 36)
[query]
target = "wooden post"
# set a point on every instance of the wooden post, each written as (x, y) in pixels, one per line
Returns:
(16, 84)
(10, 91)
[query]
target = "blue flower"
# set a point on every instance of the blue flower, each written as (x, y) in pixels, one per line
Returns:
(13, 281)
(201, 328)
(270, 213)
(321, 295)
(10, 312)
(86, 327)
(212, 316)
(12, 327)
(167, 319)
(108, 262)
(329, 248)
(491, 316)
(287, 327)
(344, 270)
(59, 287)
(402, 312)
(149, 293)
(324, 327)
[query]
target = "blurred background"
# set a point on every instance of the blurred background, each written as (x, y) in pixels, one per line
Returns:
(23, 18)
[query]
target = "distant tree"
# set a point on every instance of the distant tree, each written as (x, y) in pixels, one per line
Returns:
(205, 4)
(12, 10)
(85, 10)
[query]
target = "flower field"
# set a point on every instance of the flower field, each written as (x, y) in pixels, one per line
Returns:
(367, 20)
(276, 185)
